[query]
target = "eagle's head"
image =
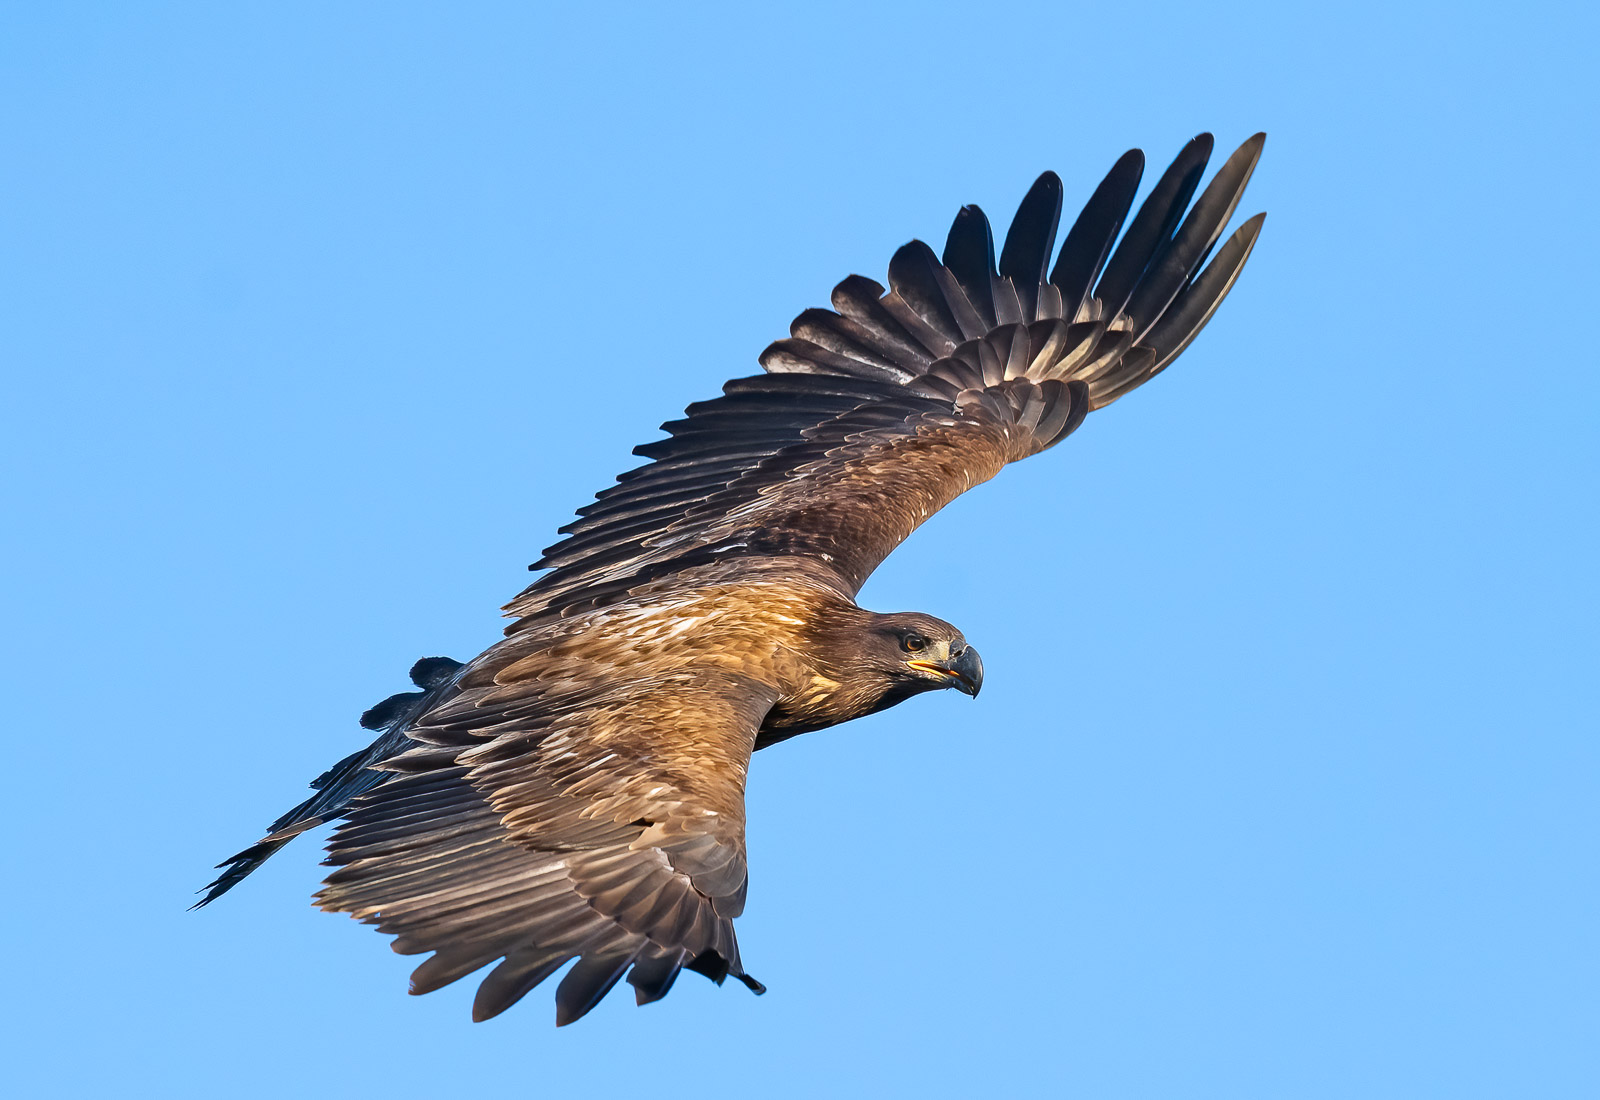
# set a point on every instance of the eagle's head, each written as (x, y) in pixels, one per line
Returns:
(914, 653)
(864, 662)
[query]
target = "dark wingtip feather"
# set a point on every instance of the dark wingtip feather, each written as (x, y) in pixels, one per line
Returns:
(1175, 264)
(1195, 306)
(1031, 237)
(969, 254)
(1152, 227)
(586, 985)
(711, 964)
(442, 969)
(512, 980)
(913, 275)
(652, 977)
(1089, 240)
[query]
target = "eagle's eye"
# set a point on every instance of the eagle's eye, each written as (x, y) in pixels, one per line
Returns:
(914, 643)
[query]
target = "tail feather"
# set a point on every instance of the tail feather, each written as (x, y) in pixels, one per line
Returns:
(347, 780)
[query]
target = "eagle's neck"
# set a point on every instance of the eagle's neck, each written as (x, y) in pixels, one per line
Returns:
(836, 681)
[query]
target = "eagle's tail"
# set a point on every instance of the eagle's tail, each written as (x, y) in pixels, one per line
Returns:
(347, 780)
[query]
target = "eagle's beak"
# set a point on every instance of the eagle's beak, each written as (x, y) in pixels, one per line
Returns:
(963, 670)
(968, 669)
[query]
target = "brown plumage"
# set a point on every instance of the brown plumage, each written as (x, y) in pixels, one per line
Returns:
(577, 790)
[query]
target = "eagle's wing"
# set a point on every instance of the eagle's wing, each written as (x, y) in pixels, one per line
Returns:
(549, 813)
(874, 417)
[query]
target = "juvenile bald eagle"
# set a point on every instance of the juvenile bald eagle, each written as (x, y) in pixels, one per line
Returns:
(577, 790)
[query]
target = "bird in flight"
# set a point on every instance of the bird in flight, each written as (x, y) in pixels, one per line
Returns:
(576, 791)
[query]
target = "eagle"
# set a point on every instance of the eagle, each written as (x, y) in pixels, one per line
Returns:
(576, 791)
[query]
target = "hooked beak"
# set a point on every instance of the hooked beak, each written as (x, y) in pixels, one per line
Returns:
(963, 670)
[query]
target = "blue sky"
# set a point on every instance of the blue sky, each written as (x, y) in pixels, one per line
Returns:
(322, 318)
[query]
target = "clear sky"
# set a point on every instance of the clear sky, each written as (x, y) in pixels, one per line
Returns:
(318, 319)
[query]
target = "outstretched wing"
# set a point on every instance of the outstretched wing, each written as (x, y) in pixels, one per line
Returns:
(542, 818)
(874, 417)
